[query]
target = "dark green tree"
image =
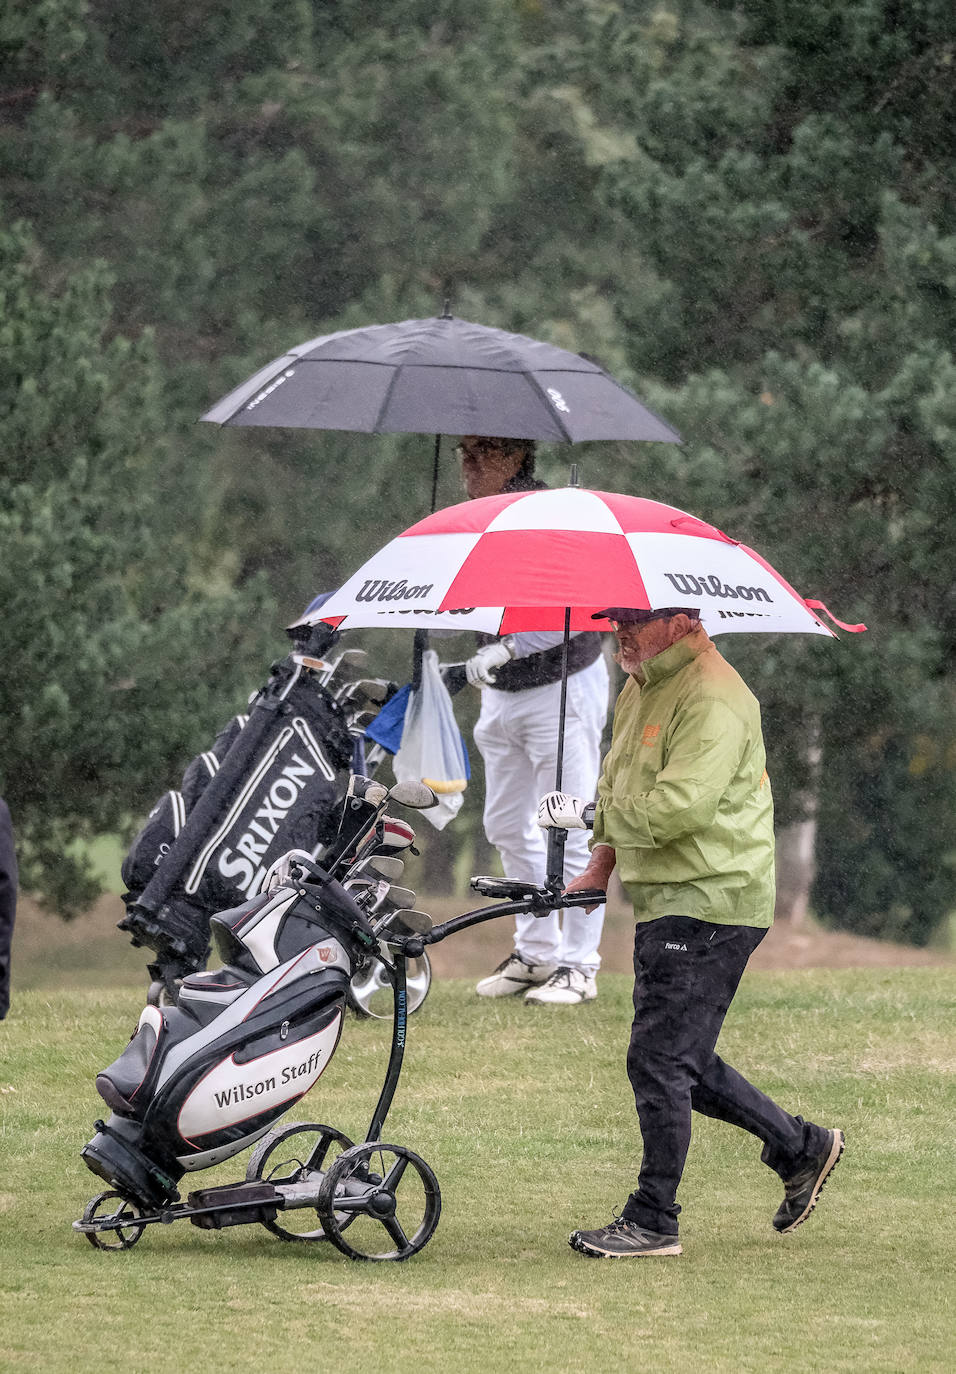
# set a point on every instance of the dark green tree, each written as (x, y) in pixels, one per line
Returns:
(119, 647)
(792, 192)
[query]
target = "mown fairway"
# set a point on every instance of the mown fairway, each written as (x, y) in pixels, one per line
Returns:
(525, 1117)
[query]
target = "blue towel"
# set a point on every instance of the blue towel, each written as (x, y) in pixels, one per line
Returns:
(386, 728)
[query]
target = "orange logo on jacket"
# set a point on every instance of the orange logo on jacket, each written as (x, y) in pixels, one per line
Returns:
(650, 734)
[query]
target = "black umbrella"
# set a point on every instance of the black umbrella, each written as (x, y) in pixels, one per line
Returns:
(440, 376)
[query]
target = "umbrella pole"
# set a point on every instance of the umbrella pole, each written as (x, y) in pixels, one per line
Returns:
(435, 472)
(421, 636)
(558, 838)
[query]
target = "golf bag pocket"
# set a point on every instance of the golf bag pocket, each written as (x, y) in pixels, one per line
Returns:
(122, 1081)
(261, 934)
(154, 841)
(168, 816)
(201, 1081)
(205, 995)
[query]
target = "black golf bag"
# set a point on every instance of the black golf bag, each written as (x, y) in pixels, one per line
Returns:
(201, 1080)
(273, 781)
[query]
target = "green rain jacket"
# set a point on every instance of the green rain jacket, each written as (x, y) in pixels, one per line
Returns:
(684, 798)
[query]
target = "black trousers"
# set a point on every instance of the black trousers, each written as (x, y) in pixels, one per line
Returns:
(686, 972)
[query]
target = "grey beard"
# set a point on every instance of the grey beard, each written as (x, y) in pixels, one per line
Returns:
(637, 672)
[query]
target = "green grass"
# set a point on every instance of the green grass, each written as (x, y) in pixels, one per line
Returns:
(526, 1118)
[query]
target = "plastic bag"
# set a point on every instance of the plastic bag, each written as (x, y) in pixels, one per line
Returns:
(432, 749)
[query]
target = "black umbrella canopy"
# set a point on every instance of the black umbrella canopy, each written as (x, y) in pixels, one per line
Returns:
(440, 376)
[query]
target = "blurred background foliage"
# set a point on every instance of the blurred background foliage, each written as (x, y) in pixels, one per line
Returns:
(744, 209)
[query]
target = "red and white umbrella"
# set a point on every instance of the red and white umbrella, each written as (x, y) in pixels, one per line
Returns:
(544, 560)
(524, 560)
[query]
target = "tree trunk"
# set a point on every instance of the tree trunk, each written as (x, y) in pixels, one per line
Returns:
(796, 844)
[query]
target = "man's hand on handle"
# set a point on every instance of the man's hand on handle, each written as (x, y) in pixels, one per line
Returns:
(596, 875)
(560, 811)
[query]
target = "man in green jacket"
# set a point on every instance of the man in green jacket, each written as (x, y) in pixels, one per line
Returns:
(685, 813)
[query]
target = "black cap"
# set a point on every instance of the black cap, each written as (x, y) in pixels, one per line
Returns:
(636, 615)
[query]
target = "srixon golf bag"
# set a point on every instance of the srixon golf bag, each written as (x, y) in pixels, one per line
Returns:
(201, 1080)
(273, 781)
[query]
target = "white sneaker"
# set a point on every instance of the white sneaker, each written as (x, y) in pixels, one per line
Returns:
(566, 985)
(514, 975)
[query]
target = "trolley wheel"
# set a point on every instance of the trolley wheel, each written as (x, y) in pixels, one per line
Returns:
(281, 1158)
(370, 992)
(125, 1233)
(379, 1189)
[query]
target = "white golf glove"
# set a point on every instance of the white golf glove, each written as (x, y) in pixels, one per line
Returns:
(559, 811)
(480, 670)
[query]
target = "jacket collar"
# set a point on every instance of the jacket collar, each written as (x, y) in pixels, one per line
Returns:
(678, 656)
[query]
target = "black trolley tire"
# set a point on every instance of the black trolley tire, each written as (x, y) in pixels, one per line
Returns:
(352, 1163)
(268, 1145)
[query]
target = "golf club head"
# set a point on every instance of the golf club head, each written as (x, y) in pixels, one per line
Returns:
(415, 921)
(385, 866)
(347, 656)
(360, 722)
(400, 898)
(416, 795)
(365, 689)
(377, 689)
(370, 791)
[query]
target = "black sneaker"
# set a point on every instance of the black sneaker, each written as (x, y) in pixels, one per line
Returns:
(622, 1239)
(803, 1189)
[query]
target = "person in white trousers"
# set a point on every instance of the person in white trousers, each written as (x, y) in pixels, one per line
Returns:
(555, 958)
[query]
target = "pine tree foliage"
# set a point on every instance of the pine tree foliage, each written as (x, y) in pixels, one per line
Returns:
(105, 614)
(744, 208)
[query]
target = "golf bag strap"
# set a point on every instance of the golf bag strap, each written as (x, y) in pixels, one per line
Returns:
(537, 670)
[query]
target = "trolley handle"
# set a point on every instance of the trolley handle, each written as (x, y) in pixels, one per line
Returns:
(537, 900)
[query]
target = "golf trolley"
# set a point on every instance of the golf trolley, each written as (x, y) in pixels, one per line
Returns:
(206, 1078)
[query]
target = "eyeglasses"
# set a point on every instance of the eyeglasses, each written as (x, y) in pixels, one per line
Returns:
(617, 625)
(484, 448)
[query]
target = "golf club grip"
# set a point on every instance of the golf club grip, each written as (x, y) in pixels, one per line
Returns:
(588, 896)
